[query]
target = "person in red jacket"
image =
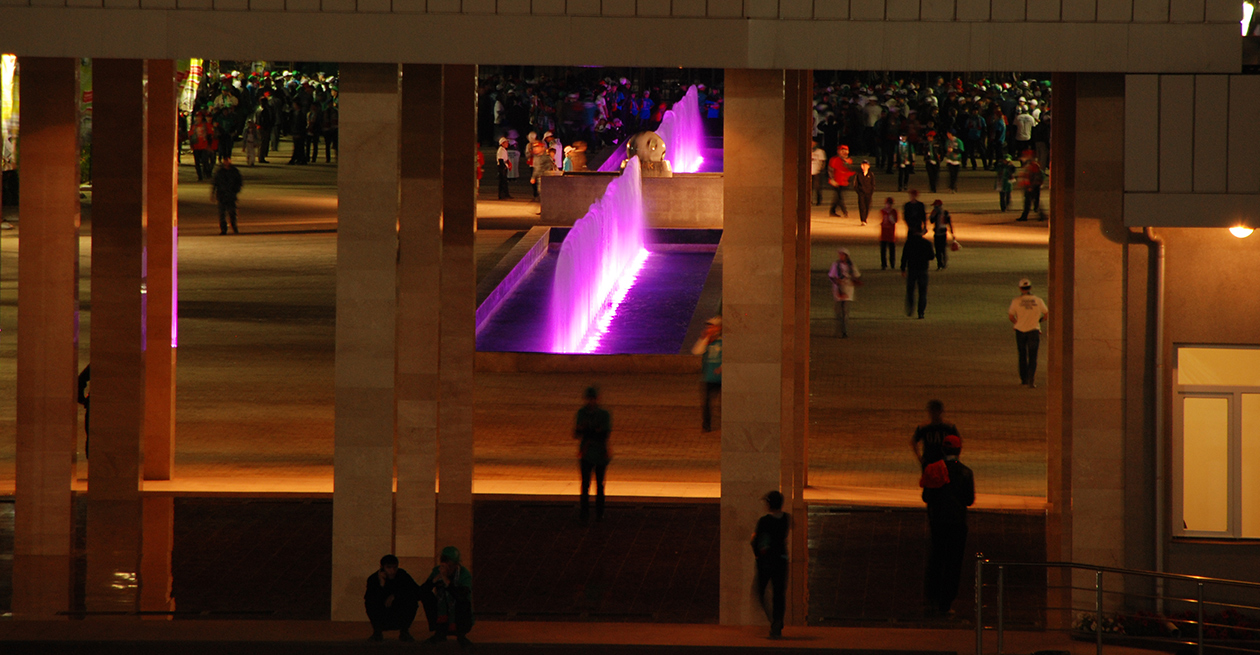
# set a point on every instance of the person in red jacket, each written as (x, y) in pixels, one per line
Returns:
(838, 174)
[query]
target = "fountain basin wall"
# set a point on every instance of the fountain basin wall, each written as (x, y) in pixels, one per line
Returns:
(688, 200)
(684, 292)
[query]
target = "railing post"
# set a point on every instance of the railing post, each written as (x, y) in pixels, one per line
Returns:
(1098, 608)
(1001, 623)
(979, 603)
(1202, 632)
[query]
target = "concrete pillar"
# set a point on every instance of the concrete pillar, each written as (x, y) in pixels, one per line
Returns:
(162, 253)
(1088, 407)
(458, 305)
(158, 516)
(47, 344)
(419, 277)
(117, 344)
(766, 342)
(367, 248)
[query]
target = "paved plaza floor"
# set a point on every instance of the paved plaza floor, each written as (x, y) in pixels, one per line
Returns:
(256, 337)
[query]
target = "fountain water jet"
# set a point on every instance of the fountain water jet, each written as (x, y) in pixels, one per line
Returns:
(597, 263)
(682, 129)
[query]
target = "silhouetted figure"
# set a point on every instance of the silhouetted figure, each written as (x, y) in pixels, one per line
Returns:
(85, 399)
(948, 489)
(391, 600)
(769, 544)
(593, 425)
(224, 188)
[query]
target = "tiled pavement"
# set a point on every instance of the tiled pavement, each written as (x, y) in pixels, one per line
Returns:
(645, 562)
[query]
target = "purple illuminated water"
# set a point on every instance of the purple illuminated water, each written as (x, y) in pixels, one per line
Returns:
(597, 261)
(682, 129)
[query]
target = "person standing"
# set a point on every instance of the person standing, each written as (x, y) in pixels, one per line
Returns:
(594, 423)
(888, 236)
(949, 488)
(297, 129)
(865, 187)
(710, 346)
(1027, 312)
(942, 231)
(817, 166)
(85, 399)
(905, 163)
(914, 214)
(932, 160)
(391, 600)
(249, 141)
(953, 160)
(224, 188)
(504, 164)
(839, 173)
(1005, 181)
(928, 442)
(844, 276)
(915, 256)
(770, 546)
(447, 598)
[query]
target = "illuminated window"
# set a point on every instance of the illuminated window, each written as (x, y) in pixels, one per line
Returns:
(1216, 449)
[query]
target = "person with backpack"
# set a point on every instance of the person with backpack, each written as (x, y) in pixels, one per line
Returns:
(949, 488)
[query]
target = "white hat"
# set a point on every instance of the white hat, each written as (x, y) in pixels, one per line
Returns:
(1025, 284)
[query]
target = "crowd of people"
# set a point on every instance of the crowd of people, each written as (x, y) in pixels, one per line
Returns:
(256, 110)
(597, 112)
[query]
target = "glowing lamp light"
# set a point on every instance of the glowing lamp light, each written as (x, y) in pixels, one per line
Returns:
(1241, 231)
(1248, 10)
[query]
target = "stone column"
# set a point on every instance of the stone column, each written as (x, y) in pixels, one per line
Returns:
(367, 248)
(1087, 408)
(762, 389)
(47, 344)
(162, 254)
(419, 277)
(158, 516)
(117, 345)
(458, 305)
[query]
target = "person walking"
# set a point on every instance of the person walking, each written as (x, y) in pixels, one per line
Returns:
(504, 164)
(888, 236)
(447, 598)
(844, 276)
(769, 543)
(249, 141)
(1031, 178)
(85, 399)
(915, 256)
(932, 160)
(942, 231)
(817, 166)
(224, 188)
(391, 600)
(928, 441)
(839, 173)
(710, 346)
(949, 488)
(1027, 312)
(865, 187)
(594, 423)
(199, 138)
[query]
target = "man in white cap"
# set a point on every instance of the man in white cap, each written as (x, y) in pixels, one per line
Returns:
(503, 164)
(1027, 312)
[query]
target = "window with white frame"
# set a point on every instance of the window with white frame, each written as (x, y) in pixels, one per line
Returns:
(1216, 449)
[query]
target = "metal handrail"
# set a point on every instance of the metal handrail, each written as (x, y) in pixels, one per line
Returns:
(1099, 592)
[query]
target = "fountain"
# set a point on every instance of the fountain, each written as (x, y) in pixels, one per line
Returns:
(597, 264)
(682, 129)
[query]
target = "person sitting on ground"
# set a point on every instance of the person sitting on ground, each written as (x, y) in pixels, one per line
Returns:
(391, 600)
(447, 599)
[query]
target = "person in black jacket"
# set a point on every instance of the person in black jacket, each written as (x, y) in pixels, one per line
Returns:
(770, 546)
(949, 488)
(225, 185)
(915, 256)
(85, 399)
(391, 600)
(864, 183)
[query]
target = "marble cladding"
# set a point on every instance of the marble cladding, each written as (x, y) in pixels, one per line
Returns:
(367, 248)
